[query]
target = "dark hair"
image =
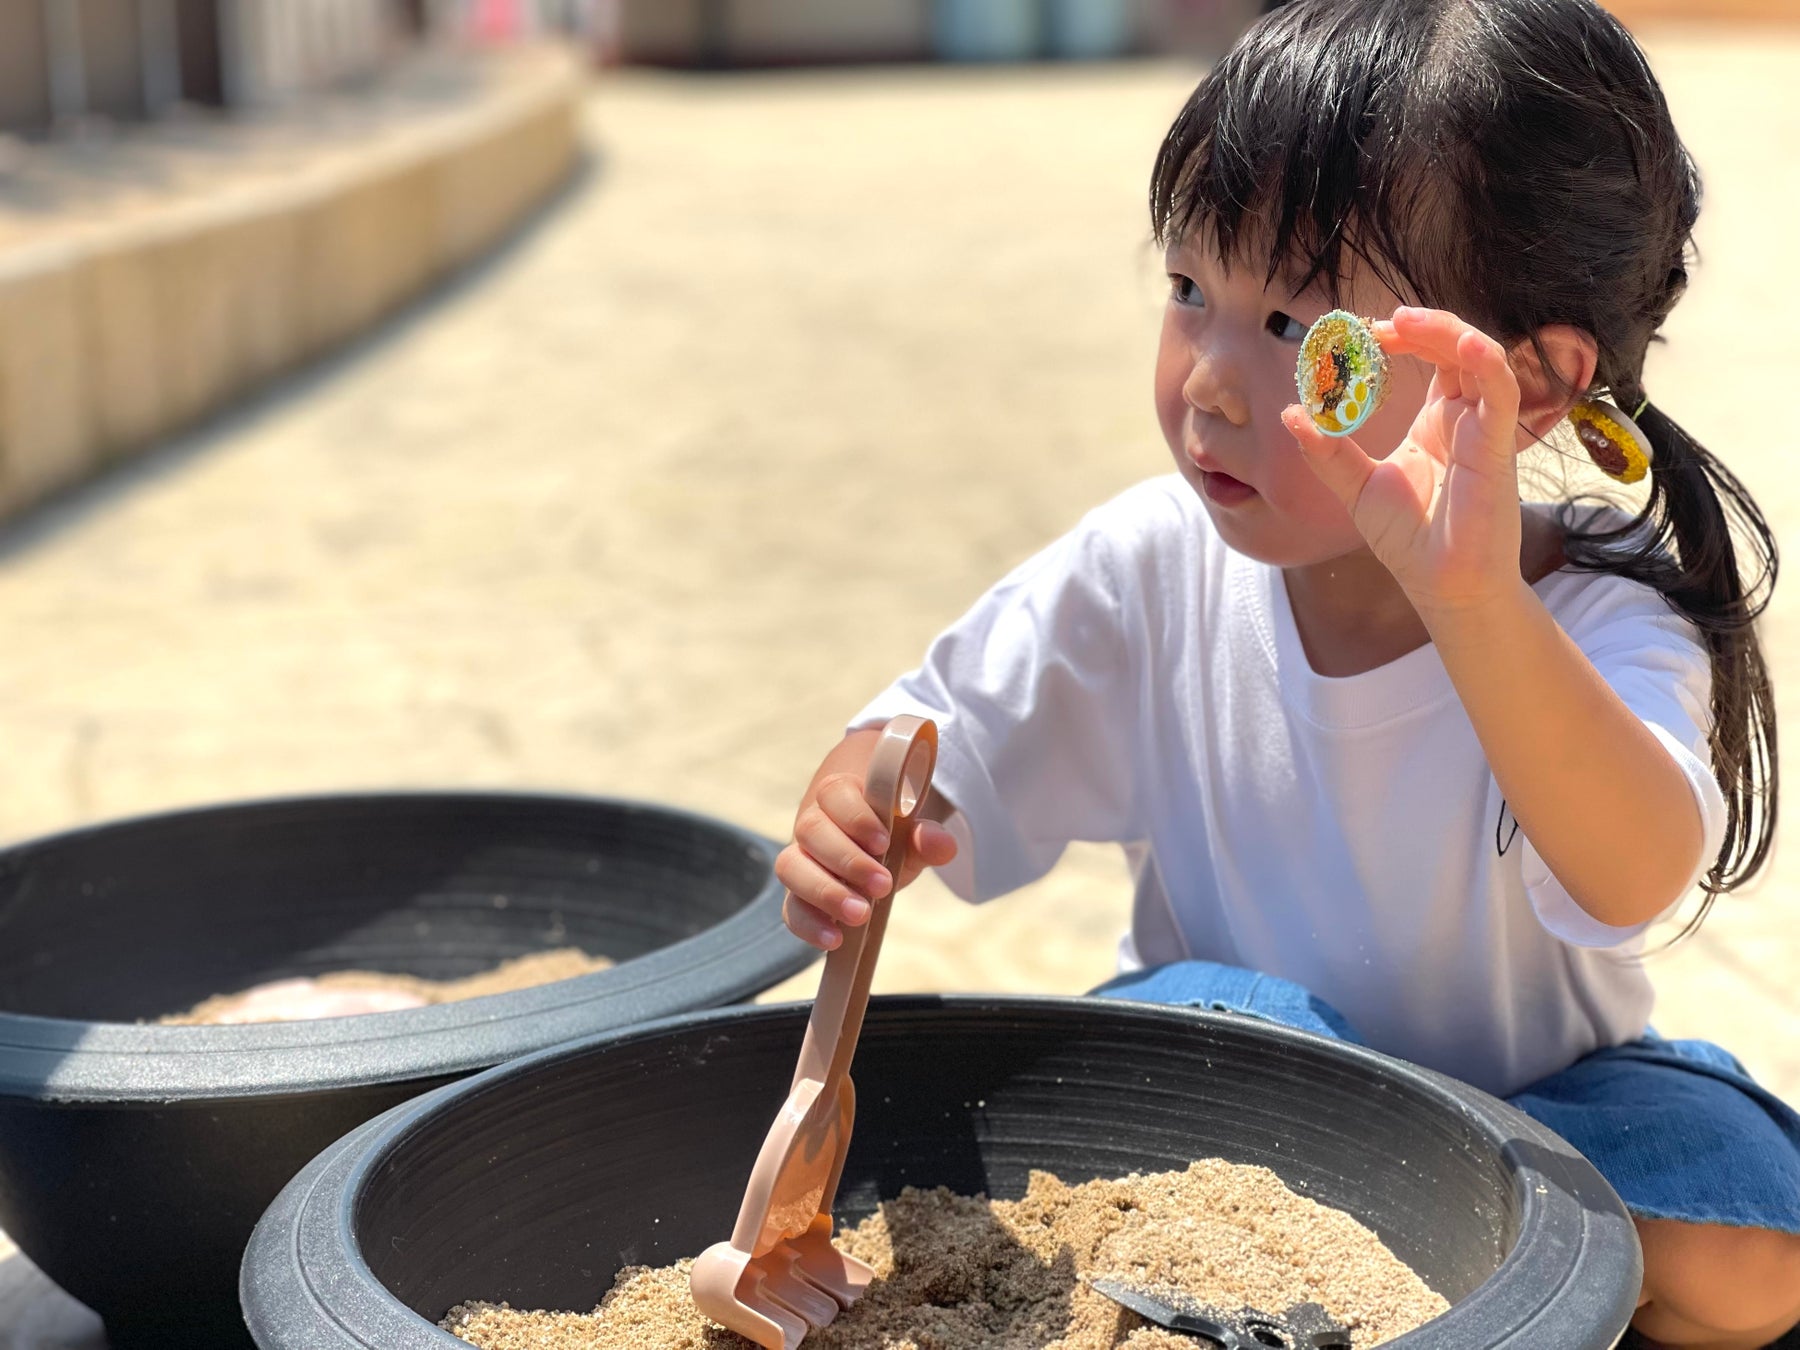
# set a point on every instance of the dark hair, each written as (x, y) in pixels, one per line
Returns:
(1512, 161)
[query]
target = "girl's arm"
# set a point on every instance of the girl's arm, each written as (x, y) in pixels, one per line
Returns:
(1602, 802)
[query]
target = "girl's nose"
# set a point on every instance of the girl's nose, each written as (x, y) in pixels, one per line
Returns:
(1213, 386)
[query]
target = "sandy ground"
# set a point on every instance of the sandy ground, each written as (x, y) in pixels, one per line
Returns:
(651, 503)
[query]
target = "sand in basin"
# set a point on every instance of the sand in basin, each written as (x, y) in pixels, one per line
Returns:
(348, 992)
(960, 1273)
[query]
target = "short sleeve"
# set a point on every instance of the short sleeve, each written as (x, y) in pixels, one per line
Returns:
(1656, 663)
(1034, 693)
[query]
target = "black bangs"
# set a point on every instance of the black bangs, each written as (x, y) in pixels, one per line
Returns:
(1297, 154)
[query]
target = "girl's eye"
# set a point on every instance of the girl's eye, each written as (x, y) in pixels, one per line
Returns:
(1285, 327)
(1183, 291)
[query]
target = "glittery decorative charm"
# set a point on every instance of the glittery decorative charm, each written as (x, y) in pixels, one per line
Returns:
(1342, 373)
(1613, 441)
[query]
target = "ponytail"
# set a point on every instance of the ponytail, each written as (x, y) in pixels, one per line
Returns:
(1685, 543)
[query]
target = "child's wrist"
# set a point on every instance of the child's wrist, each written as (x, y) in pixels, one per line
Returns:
(1478, 623)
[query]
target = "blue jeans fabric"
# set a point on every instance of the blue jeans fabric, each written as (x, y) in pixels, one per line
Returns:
(1678, 1128)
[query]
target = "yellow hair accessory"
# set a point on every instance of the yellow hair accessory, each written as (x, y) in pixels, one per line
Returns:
(1613, 441)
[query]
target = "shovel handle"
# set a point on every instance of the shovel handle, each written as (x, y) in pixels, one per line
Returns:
(898, 780)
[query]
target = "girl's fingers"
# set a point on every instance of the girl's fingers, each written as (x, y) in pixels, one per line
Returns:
(1486, 368)
(809, 925)
(1430, 333)
(1439, 421)
(817, 886)
(841, 798)
(1433, 335)
(1338, 460)
(929, 845)
(825, 840)
(933, 844)
(1389, 500)
(833, 867)
(819, 904)
(1471, 368)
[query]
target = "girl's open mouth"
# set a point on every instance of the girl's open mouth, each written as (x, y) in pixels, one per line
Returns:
(1224, 489)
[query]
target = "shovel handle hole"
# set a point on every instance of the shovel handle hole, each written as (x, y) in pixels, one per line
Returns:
(915, 778)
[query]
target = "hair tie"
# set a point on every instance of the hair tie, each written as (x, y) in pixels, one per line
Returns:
(1613, 441)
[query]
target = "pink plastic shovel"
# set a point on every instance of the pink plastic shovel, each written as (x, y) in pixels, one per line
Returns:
(779, 1276)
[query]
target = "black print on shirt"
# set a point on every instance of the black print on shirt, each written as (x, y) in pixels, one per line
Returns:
(1499, 824)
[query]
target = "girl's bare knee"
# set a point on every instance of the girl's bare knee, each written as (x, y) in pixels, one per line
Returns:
(1729, 1279)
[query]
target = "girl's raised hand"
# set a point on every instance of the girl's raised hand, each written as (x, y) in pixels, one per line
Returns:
(1442, 511)
(833, 868)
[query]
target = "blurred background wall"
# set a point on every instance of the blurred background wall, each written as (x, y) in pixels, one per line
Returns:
(197, 196)
(61, 60)
(791, 32)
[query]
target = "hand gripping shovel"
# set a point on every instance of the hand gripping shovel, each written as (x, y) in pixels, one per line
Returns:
(779, 1276)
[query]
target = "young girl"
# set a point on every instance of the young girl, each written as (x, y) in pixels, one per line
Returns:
(1395, 755)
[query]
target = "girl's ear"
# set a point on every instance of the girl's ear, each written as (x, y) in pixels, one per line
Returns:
(1545, 396)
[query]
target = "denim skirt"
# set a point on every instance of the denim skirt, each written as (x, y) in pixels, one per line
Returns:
(1678, 1128)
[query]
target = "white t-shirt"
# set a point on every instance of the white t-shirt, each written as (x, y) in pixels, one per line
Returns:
(1139, 682)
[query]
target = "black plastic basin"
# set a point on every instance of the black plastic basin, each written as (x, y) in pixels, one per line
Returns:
(135, 1159)
(536, 1181)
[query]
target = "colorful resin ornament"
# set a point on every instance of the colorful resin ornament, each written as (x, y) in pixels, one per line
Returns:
(1342, 373)
(1613, 441)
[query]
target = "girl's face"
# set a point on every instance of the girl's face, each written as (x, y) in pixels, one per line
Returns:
(1225, 371)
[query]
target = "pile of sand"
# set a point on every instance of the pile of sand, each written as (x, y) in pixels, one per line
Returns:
(346, 993)
(956, 1273)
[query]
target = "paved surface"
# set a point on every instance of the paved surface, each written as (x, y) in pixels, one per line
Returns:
(653, 502)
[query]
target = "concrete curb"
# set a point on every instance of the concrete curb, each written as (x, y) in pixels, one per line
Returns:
(124, 332)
